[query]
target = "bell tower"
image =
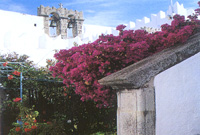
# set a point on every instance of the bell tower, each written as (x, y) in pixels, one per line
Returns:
(61, 19)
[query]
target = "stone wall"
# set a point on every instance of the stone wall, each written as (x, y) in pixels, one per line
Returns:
(136, 111)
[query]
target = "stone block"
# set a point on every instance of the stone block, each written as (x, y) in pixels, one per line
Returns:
(136, 111)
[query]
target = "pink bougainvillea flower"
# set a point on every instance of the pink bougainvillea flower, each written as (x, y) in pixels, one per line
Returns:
(64, 88)
(17, 129)
(10, 77)
(17, 99)
(35, 121)
(120, 27)
(65, 94)
(16, 73)
(5, 64)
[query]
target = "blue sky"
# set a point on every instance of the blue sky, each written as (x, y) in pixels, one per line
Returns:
(99, 12)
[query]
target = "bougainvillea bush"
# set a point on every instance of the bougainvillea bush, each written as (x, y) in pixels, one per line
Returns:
(82, 66)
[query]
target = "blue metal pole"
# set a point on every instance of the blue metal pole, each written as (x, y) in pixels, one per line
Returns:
(20, 122)
(21, 86)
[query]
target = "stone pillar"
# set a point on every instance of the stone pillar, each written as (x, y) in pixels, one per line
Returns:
(79, 27)
(58, 27)
(75, 30)
(136, 111)
(63, 26)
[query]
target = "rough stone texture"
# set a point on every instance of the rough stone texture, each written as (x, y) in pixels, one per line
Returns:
(136, 111)
(138, 74)
(63, 15)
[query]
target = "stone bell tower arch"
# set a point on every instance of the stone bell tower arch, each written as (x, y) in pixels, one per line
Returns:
(61, 18)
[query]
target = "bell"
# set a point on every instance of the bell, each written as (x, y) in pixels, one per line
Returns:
(53, 23)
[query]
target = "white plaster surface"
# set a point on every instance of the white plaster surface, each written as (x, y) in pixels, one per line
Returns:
(178, 99)
(19, 34)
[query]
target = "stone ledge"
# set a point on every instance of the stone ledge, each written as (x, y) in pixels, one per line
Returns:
(137, 75)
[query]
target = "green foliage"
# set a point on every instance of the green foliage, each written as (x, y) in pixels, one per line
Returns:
(60, 110)
(26, 118)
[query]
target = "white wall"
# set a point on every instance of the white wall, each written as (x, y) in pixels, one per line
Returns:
(18, 33)
(92, 32)
(178, 99)
(160, 18)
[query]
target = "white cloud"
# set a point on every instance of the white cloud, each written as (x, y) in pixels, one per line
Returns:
(3, 1)
(17, 8)
(89, 11)
(194, 2)
(76, 2)
(108, 4)
(11, 6)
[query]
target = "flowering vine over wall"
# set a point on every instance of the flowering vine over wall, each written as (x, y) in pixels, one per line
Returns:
(84, 65)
